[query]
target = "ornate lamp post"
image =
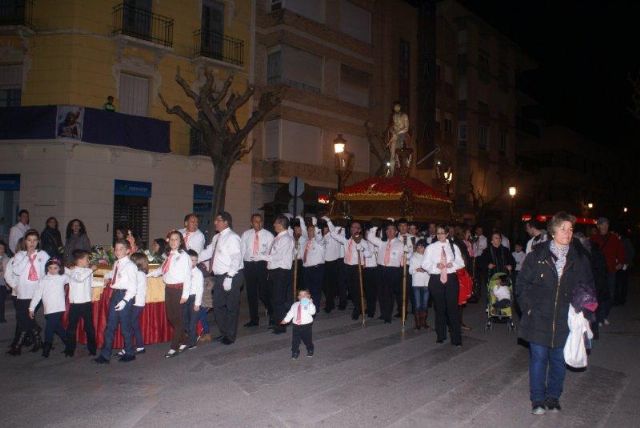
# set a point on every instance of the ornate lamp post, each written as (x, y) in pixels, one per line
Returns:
(343, 159)
(448, 178)
(512, 193)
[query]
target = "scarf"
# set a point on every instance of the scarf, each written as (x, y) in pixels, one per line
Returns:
(560, 251)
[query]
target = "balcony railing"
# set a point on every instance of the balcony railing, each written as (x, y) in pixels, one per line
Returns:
(16, 12)
(215, 45)
(142, 24)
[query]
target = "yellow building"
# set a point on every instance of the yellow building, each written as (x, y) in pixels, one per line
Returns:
(79, 52)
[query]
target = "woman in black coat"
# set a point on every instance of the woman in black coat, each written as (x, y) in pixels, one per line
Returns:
(544, 289)
(50, 239)
(496, 258)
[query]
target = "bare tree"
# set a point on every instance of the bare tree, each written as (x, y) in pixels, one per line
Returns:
(217, 123)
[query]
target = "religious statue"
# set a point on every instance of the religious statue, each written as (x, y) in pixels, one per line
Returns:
(398, 134)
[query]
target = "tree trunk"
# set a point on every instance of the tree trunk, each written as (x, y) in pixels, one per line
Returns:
(220, 177)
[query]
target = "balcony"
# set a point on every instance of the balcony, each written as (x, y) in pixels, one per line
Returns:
(142, 24)
(210, 44)
(16, 13)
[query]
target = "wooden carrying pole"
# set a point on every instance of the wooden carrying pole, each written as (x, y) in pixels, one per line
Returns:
(294, 286)
(404, 288)
(360, 259)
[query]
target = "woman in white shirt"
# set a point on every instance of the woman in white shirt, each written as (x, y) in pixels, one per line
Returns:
(23, 274)
(441, 261)
(176, 274)
(51, 291)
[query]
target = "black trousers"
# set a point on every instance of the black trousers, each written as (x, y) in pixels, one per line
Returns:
(622, 286)
(445, 300)
(53, 326)
(389, 278)
(82, 311)
(226, 304)
(281, 297)
(3, 298)
(301, 333)
(313, 279)
(255, 275)
(330, 288)
(24, 323)
(370, 290)
(342, 285)
(370, 286)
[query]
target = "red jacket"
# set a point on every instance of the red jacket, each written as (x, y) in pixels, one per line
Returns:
(612, 248)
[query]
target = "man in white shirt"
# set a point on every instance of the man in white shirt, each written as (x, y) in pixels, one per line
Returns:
(408, 241)
(313, 262)
(256, 242)
(18, 230)
(333, 268)
(193, 237)
(537, 233)
(279, 260)
(431, 234)
(390, 259)
(225, 253)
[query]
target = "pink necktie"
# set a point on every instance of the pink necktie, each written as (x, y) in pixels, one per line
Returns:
(33, 273)
(443, 271)
(349, 248)
(256, 244)
(387, 254)
(299, 315)
(186, 238)
(166, 264)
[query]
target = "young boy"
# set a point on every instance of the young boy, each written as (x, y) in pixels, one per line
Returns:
(301, 313)
(192, 307)
(518, 256)
(502, 294)
(80, 284)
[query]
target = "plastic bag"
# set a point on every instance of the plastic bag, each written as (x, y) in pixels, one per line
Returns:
(575, 352)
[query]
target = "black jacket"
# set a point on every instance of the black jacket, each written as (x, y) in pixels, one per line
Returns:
(501, 257)
(51, 242)
(543, 299)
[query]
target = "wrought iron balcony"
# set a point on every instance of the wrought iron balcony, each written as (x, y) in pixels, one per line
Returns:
(215, 45)
(16, 12)
(131, 21)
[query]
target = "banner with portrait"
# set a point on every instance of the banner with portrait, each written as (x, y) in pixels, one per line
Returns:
(69, 122)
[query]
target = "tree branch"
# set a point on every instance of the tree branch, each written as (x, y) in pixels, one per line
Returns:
(186, 88)
(178, 111)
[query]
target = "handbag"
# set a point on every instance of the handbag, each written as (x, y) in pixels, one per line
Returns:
(466, 286)
(575, 349)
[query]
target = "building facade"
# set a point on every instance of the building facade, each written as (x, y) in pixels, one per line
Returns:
(78, 55)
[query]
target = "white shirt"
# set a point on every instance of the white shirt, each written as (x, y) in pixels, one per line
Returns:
(227, 259)
(141, 289)
(505, 242)
(351, 248)
(418, 279)
(178, 271)
(197, 285)
(312, 253)
(408, 243)
(433, 254)
(519, 258)
(51, 291)
(395, 249)
(126, 279)
(306, 314)
(280, 254)
(80, 284)
(15, 233)
(193, 240)
(479, 246)
(17, 273)
(265, 238)
(535, 241)
(431, 239)
(333, 247)
(502, 293)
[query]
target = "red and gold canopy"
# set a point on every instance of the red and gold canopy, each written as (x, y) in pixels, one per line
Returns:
(392, 197)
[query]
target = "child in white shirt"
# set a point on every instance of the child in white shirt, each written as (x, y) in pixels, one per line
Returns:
(419, 284)
(192, 307)
(518, 256)
(142, 262)
(80, 305)
(502, 293)
(51, 291)
(301, 314)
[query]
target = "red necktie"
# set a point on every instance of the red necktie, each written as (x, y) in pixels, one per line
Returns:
(115, 275)
(443, 271)
(387, 254)
(299, 316)
(349, 248)
(33, 273)
(166, 264)
(256, 244)
(187, 235)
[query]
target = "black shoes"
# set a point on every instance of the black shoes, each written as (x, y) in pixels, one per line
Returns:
(295, 355)
(101, 360)
(252, 324)
(126, 358)
(309, 354)
(226, 341)
(218, 338)
(552, 404)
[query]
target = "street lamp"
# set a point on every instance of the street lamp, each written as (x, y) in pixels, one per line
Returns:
(625, 210)
(448, 178)
(590, 205)
(512, 192)
(344, 160)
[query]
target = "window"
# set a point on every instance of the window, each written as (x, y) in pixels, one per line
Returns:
(404, 75)
(213, 28)
(484, 72)
(462, 135)
(10, 85)
(284, 140)
(354, 86)
(448, 126)
(134, 94)
(462, 41)
(503, 143)
(354, 21)
(483, 132)
(274, 67)
(309, 9)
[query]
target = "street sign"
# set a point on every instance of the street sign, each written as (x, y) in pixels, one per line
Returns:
(296, 186)
(296, 206)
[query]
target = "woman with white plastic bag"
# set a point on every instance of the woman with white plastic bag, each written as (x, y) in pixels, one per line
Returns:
(575, 349)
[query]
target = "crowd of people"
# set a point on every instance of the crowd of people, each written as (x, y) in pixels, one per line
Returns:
(309, 265)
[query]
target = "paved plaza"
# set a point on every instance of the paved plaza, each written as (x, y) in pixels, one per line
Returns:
(358, 377)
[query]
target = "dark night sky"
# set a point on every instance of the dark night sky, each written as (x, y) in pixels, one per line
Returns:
(586, 50)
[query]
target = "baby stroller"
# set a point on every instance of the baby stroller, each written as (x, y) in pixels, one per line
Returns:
(499, 310)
